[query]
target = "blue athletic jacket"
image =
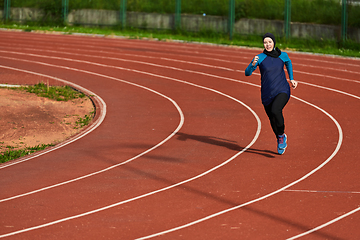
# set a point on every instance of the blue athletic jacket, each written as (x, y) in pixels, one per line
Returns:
(273, 79)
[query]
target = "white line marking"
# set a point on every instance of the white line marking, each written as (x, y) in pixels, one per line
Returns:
(91, 128)
(328, 68)
(181, 123)
(9, 86)
(174, 68)
(199, 47)
(121, 68)
(257, 85)
(321, 191)
(162, 66)
(313, 74)
(331, 89)
(349, 95)
(169, 77)
(325, 224)
(200, 64)
(270, 194)
(162, 189)
(125, 54)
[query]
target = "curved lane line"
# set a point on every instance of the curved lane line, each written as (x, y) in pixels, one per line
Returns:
(326, 88)
(325, 224)
(196, 47)
(183, 61)
(162, 189)
(127, 161)
(120, 68)
(303, 82)
(331, 89)
(168, 67)
(91, 128)
(310, 85)
(189, 71)
(270, 194)
(124, 54)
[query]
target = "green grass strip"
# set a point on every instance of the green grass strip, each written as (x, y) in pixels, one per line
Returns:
(11, 154)
(63, 93)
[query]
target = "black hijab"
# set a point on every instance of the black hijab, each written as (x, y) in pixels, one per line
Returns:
(276, 51)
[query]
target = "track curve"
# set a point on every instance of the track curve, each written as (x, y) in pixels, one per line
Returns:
(239, 185)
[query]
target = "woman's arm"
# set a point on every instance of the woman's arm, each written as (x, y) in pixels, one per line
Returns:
(289, 69)
(252, 66)
(288, 65)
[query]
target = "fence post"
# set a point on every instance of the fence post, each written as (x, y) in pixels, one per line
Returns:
(287, 20)
(344, 21)
(7, 5)
(178, 14)
(231, 18)
(65, 10)
(123, 14)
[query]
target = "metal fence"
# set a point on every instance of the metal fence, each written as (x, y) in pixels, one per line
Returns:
(120, 13)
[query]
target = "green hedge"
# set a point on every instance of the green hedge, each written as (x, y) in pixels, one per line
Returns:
(313, 11)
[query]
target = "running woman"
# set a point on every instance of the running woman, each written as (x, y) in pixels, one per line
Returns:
(275, 90)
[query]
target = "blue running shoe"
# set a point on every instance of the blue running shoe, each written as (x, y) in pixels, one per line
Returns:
(282, 143)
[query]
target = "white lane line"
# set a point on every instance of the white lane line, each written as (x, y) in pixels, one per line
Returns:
(321, 191)
(329, 88)
(162, 66)
(258, 85)
(328, 68)
(210, 75)
(122, 68)
(312, 74)
(326, 224)
(181, 123)
(91, 128)
(196, 72)
(201, 49)
(193, 47)
(182, 61)
(270, 194)
(162, 189)
(121, 59)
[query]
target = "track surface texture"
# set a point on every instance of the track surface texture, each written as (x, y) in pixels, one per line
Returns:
(181, 147)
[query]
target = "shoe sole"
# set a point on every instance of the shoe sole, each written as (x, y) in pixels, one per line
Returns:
(280, 151)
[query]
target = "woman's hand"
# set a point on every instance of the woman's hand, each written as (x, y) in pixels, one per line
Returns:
(294, 83)
(256, 58)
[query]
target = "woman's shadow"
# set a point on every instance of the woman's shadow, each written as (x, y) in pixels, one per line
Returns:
(224, 143)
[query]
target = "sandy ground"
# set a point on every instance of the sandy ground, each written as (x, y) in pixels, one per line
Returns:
(27, 120)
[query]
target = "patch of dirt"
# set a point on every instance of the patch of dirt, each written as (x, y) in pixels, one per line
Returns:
(27, 120)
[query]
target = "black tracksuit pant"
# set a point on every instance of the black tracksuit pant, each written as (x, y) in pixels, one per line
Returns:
(274, 112)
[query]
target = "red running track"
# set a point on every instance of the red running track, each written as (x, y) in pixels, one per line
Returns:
(181, 147)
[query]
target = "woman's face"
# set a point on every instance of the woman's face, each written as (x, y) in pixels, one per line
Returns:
(268, 44)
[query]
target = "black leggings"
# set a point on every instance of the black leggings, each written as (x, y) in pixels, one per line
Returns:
(274, 112)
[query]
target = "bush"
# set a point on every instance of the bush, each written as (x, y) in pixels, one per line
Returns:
(310, 11)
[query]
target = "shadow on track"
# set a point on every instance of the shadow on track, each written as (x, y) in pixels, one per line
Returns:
(147, 174)
(224, 143)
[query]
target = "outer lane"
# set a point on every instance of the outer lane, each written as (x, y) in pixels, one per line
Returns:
(297, 117)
